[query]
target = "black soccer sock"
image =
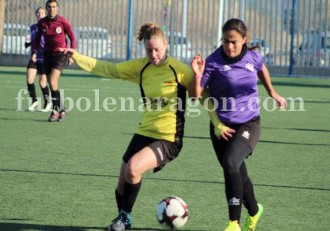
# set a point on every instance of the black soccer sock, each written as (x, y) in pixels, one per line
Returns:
(56, 100)
(60, 102)
(119, 200)
(131, 192)
(45, 93)
(32, 91)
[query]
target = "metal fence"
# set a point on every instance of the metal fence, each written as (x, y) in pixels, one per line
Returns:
(294, 35)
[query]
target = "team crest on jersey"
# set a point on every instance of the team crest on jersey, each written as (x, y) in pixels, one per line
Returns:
(249, 66)
(58, 30)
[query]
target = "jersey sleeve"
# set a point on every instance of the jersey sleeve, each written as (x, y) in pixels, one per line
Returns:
(35, 44)
(94, 66)
(206, 74)
(185, 76)
(130, 70)
(124, 70)
(70, 33)
(257, 59)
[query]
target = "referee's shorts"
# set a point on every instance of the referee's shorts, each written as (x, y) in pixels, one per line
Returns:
(55, 60)
(164, 150)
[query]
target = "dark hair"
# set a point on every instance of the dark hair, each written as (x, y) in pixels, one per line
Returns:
(150, 30)
(51, 1)
(240, 27)
(40, 8)
(235, 24)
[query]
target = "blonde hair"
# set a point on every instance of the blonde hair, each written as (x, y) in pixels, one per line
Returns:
(150, 30)
(40, 8)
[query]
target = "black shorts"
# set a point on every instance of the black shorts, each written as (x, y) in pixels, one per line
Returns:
(164, 150)
(35, 65)
(248, 132)
(55, 60)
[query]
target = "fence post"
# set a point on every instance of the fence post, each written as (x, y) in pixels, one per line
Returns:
(129, 30)
(2, 19)
(220, 22)
(292, 37)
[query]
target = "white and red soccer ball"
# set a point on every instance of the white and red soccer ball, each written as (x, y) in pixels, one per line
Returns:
(172, 212)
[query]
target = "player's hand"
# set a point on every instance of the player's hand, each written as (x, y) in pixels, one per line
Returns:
(224, 132)
(34, 57)
(69, 51)
(280, 101)
(26, 44)
(198, 65)
(70, 61)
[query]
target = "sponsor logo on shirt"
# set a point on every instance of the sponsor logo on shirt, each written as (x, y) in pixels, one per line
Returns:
(58, 30)
(169, 83)
(246, 134)
(226, 68)
(249, 66)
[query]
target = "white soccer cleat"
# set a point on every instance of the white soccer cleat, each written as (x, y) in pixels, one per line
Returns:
(34, 106)
(47, 108)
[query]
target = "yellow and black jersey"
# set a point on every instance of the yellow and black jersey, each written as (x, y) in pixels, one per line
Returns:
(163, 88)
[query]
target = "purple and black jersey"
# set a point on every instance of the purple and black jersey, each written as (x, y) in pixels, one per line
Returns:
(41, 47)
(233, 86)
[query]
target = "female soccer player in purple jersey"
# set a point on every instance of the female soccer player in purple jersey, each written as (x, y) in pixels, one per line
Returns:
(55, 29)
(34, 68)
(230, 74)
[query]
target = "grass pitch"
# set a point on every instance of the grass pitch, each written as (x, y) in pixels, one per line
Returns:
(62, 176)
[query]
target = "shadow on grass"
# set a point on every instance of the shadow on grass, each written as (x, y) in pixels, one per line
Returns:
(298, 83)
(8, 109)
(25, 119)
(299, 129)
(38, 227)
(13, 72)
(317, 101)
(264, 141)
(153, 229)
(65, 73)
(158, 179)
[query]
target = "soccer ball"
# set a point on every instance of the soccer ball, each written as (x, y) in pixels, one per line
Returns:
(172, 212)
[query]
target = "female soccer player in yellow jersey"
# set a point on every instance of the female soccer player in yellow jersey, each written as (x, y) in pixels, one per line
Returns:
(163, 82)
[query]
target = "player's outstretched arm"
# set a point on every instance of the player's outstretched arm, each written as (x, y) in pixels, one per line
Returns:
(98, 67)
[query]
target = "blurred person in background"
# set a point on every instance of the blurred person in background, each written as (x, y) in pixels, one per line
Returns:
(34, 68)
(55, 29)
